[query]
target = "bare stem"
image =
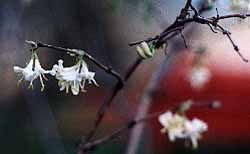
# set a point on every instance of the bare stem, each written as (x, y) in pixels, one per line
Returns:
(106, 104)
(184, 19)
(145, 102)
(91, 145)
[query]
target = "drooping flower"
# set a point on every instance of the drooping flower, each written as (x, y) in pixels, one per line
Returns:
(178, 126)
(32, 71)
(193, 130)
(73, 77)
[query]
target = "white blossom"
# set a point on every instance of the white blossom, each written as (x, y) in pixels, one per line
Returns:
(178, 126)
(173, 124)
(193, 130)
(32, 71)
(199, 76)
(72, 77)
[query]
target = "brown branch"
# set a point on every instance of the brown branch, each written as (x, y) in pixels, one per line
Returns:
(106, 104)
(183, 38)
(157, 36)
(146, 99)
(91, 145)
(183, 19)
(237, 15)
(145, 104)
(176, 26)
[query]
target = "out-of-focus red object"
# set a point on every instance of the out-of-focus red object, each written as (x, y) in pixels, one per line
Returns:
(229, 83)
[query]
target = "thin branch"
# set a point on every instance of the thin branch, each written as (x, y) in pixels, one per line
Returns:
(106, 104)
(184, 19)
(212, 29)
(237, 15)
(115, 134)
(146, 99)
(184, 11)
(107, 69)
(177, 25)
(91, 145)
(157, 36)
(146, 40)
(145, 104)
(183, 38)
(194, 9)
(236, 48)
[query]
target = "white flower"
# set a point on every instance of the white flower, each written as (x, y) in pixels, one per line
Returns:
(193, 130)
(72, 77)
(178, 126)
(32, 71)
(199, 76)
(173, 124)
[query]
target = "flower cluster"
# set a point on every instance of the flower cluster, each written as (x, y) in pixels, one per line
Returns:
(178, 126)
(73, 77)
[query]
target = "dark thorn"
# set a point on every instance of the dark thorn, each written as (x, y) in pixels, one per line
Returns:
(217, 12)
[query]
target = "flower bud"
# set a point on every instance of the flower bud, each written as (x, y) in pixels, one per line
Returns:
(145, 51)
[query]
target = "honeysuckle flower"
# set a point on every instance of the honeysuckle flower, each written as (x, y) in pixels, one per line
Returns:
(73, 77)
(32, 71)
(173, 124)
(199, 76)
(178, 126)
(145, 51)
(193, 130)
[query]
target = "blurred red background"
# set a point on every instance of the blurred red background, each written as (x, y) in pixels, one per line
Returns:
(229, 84)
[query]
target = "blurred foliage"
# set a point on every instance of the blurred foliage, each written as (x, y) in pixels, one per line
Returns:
(115, 5)
(147, 5)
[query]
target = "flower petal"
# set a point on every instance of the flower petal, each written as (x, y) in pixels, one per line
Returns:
(163, 118)
(17, 69)
(75, 88)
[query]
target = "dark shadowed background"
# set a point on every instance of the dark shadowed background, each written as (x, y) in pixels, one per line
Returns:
(52, 122)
